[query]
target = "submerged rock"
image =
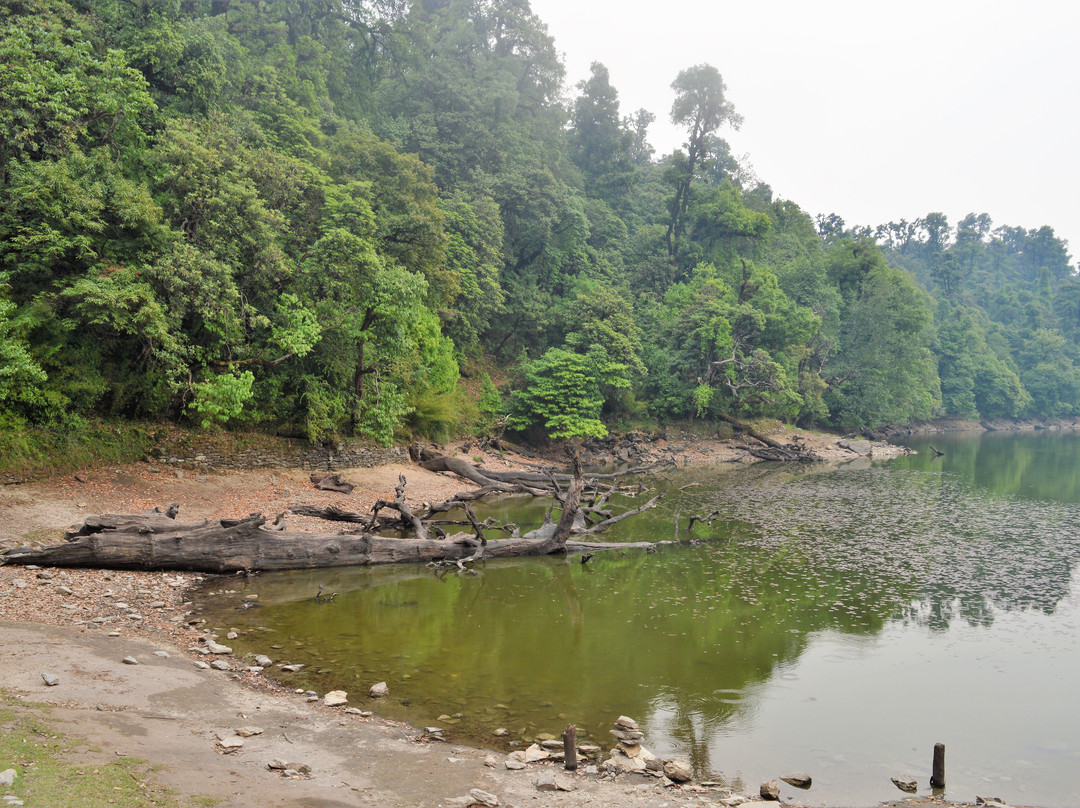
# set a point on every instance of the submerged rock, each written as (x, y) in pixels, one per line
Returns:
(908, 784)
(797, 779)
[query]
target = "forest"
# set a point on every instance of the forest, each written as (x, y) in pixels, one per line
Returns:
(387, 218)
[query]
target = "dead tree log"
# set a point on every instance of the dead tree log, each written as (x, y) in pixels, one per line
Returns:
(774, 450)
(533, 482)
(332, 482)
(213, 547)
(398, 504)
(332, 513)
(156, 541)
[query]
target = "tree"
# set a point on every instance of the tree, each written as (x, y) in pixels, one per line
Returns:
(601, 144)
(561, 393)
(884, 371)
(701, 106)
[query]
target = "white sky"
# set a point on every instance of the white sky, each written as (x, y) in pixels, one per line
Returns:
(876, 111)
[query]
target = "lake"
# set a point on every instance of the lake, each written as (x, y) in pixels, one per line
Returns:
(836, 620)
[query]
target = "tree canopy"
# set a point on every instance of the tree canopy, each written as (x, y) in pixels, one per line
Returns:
(337, 218)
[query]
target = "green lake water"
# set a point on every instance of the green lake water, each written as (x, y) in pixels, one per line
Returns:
(839, 621)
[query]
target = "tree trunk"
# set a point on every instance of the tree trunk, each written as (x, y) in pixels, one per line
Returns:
(155, 541)
(217, 547)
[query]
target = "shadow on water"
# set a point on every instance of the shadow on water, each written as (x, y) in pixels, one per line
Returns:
(698, 641)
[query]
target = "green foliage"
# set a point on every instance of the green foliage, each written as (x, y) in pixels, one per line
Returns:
(221, 397)
(562, 395)
(20, 376)
(29, 451)
(303, 215)
(889, 373)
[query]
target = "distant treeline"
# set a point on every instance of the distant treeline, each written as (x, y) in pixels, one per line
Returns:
(347, 217)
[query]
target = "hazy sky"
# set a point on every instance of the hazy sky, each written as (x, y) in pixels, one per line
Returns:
(875, 111)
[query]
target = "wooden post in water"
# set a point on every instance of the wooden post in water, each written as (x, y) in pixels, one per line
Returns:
(937, 776)
(569, 745)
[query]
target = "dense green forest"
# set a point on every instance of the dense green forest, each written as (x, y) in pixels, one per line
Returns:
(382, 217)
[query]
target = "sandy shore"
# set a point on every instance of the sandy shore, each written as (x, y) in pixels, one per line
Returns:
(78, 626)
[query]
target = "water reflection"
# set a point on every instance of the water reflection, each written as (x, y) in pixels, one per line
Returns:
(741, 651)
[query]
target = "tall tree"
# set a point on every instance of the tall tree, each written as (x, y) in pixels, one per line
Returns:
(601, 145)
(702, 107)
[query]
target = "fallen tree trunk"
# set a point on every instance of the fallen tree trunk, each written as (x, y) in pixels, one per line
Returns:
(774, 450)
(533, 482)
(156, 541)
(211, 546)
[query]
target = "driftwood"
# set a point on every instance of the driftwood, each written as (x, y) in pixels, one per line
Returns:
(773, 450)
(211, 546)
(532, 482)
(156, 541)
(332, 482)
(398, 504)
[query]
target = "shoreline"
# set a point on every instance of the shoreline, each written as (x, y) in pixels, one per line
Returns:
(78, 625)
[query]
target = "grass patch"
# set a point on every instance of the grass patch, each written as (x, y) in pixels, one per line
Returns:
(30, 452)
(30, 745)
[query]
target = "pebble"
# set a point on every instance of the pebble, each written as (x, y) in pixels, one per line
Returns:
(379, 690)
(130, 660)
(7, 777)
(50, 679)
(335, 698)
(247, 732)
(201, 665)
(263, 661)
(162, 654)
(678, 770)
(548, 782)
(484, 798)
(220, 664)
(770, 790)
(217, 648)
